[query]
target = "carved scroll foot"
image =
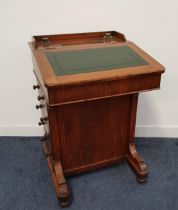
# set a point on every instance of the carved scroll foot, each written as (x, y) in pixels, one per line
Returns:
(63, 190)
(137, 163)
(58, 178)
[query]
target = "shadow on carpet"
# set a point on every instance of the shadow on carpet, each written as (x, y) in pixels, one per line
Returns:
(25, 182)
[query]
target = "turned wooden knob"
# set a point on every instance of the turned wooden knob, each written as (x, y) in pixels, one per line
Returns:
(43, 119)
(36, 87)
(41, 123)
(41, 97)
(39, 106)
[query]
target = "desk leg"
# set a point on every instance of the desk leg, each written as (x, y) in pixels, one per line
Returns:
(63, 191)
(136, 162)
(58, 178)
(54, 162)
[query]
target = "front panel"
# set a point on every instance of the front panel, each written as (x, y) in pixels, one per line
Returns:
(93, 132)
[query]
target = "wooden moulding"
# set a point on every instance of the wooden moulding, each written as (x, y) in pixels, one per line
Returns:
(95, 166)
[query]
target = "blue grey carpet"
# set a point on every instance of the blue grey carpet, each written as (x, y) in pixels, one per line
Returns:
(25, 182)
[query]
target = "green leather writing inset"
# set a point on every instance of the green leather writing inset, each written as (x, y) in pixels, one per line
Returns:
(92, 60)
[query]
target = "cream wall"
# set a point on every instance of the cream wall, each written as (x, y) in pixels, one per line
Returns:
(153, 25)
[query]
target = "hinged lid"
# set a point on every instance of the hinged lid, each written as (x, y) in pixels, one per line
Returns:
(89, 57)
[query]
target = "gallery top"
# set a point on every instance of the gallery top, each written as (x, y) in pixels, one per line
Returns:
(79, 58)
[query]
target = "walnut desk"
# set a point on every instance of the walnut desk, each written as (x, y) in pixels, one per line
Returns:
(88, 87)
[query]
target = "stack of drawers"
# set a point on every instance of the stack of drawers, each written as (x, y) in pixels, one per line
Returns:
(43, 121)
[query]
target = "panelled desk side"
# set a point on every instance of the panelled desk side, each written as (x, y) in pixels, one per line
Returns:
(89, 119)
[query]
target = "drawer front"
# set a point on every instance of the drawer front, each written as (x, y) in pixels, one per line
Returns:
(105, 89)
(43, 121)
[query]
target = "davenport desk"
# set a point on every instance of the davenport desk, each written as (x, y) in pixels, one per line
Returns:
(88, 87)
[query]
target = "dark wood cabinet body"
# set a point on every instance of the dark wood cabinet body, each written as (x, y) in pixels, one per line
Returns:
(91, 120)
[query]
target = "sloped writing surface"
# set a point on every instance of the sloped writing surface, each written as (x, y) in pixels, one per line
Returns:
(92, 60)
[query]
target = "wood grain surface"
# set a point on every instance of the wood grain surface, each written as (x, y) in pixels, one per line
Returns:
(90, 118)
